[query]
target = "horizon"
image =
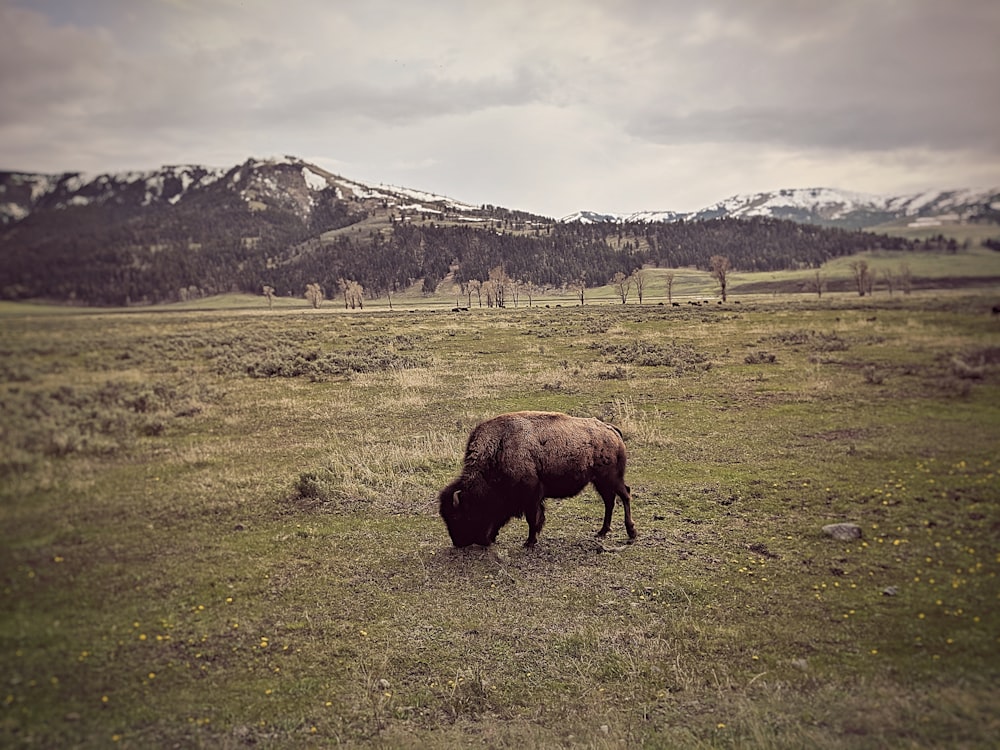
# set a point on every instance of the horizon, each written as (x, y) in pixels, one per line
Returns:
(88, 177)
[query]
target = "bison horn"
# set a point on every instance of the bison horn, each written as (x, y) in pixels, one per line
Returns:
(454, 498)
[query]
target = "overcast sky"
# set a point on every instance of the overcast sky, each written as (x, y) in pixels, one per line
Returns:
(544, 105)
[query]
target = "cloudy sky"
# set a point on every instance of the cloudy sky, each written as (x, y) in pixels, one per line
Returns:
(544, 105)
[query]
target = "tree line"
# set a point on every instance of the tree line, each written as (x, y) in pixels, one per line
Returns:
(119, 256)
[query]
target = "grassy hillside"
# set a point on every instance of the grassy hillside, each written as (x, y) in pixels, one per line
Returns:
(218, 528)
(972, 233)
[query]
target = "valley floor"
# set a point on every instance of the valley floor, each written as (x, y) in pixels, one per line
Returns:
(219, 528)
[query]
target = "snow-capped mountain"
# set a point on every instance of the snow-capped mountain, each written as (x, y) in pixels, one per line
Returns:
(594, 217)
(294, 185)
(831, 207)
(288, 183)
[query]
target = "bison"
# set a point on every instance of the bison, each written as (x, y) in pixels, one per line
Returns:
(514, 461)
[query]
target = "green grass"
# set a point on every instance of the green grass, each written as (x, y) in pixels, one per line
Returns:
(218, 528)
(973, 233)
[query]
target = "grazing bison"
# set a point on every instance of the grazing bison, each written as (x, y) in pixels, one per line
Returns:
(514, 461)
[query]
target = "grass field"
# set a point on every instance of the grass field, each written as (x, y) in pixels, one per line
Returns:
(218, 528)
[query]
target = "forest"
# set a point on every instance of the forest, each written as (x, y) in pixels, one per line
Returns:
(170, 253)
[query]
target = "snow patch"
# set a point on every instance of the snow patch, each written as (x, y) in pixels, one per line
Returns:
(314, 181)
(42, 186)
(426, 197)
(361, 191)
(15, 211)
(75, 182)
(420, 207)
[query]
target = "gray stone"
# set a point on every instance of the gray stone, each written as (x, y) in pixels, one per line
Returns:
(843, 532)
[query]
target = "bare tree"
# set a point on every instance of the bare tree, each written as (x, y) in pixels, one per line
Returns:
(314, 293)
(861, 276)
(269, 293)
(580, 287)
(530, 290)
(905, 278)
(501, 283)
(890, 280)
(622, 284)
(818, 283)
(669, 277)
(720, 266)
(342, 284)
(639, 279)
(475, 286)
(490, 290)
(356, 294)
(515, 290)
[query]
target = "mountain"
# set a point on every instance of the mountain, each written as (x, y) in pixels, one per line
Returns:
(186, 231)
(287, 183)
(189, 230)
(834, 208)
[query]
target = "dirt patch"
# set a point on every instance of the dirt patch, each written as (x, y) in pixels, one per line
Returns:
(842, 435)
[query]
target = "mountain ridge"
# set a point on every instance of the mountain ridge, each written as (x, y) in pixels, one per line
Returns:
(832, 207)
(21, 193)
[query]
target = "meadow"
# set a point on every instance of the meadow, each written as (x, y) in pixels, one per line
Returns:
(218, 528)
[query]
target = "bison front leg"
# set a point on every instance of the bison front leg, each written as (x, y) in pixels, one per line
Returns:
(609, 509)
(535, 516)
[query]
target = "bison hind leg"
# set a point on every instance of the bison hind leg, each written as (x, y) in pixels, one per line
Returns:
(626, 497)
(608, 494)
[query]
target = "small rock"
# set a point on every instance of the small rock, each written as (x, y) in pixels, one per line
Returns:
(843, 532)
(605, 728)
(801, 664)
(890, 591)
(384, 684)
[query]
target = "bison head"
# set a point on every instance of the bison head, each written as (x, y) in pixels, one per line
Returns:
(465, 525)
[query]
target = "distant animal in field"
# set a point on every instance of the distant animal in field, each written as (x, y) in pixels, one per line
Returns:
(996, 309)
(513, 462)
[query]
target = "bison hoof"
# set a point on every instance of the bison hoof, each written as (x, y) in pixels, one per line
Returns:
(602, 533)
(631, 533)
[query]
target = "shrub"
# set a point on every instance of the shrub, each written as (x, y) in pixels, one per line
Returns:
(760, 358)
(285, 360)
(873, 376)
(681, 357)
(100, 420)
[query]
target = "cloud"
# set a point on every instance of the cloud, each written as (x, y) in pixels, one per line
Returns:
(847, 127)
(867, 76)
(528, 104)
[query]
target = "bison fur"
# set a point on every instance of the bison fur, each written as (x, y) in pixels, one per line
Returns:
(513, 462)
